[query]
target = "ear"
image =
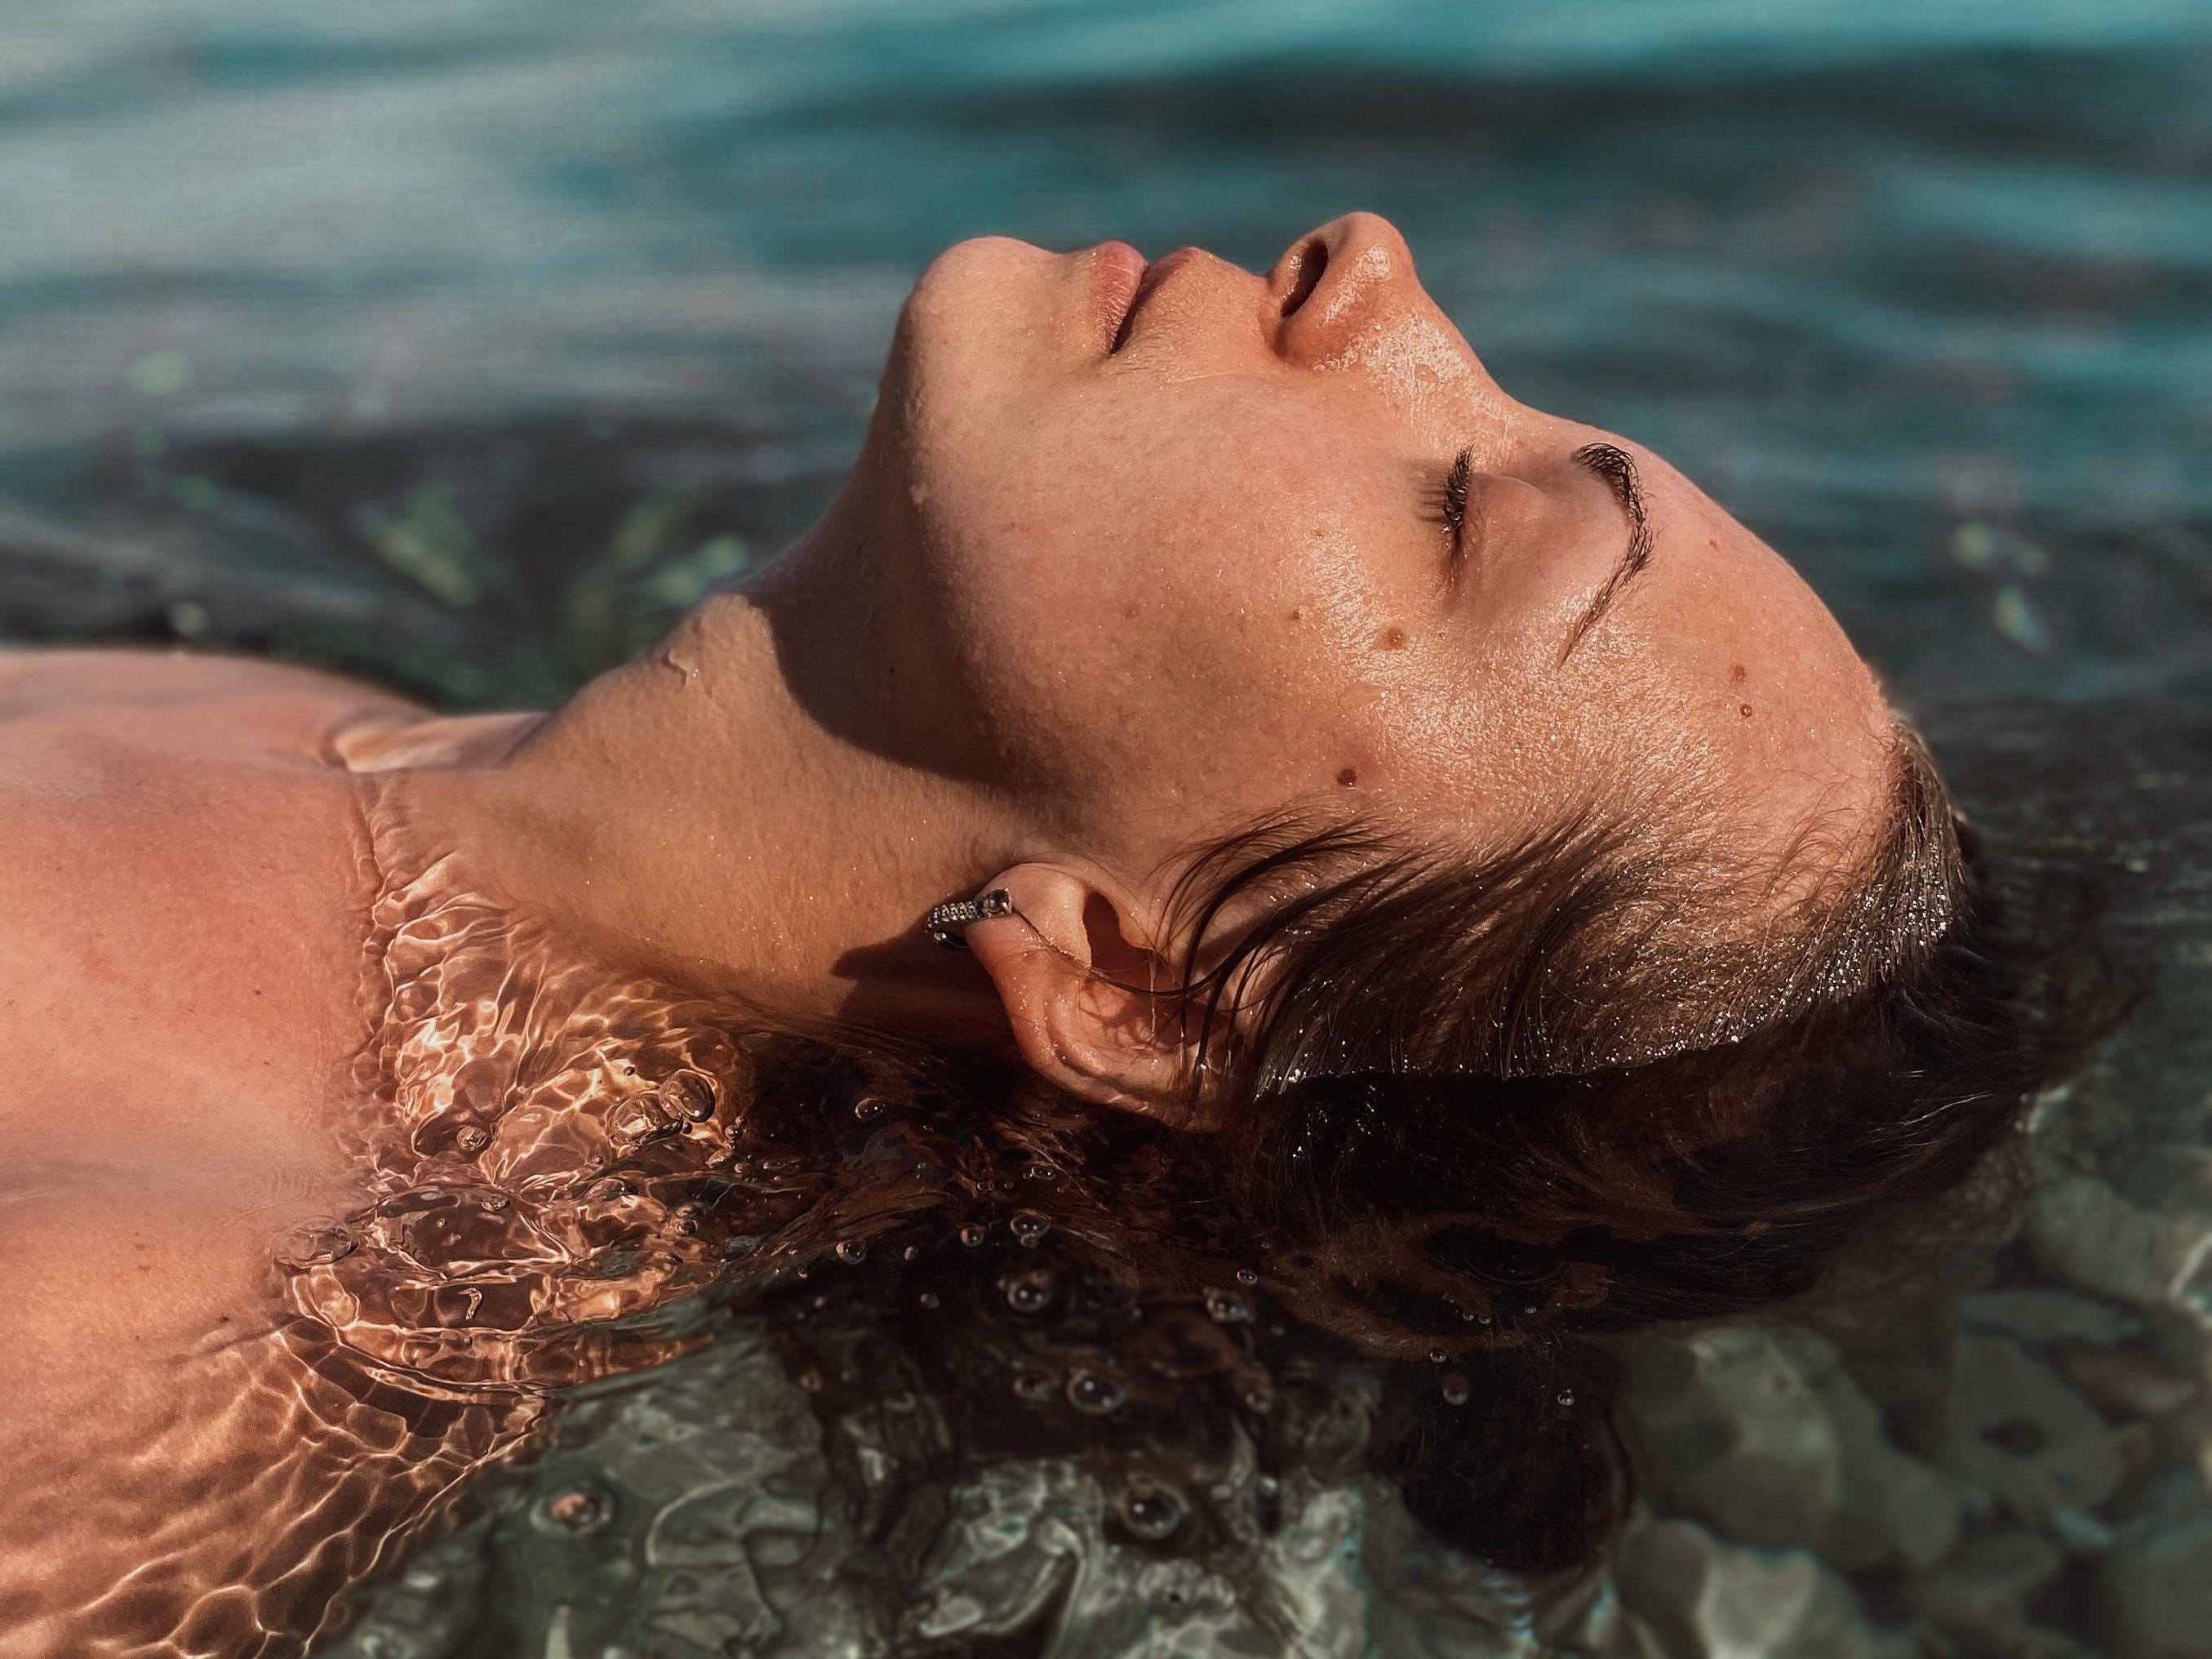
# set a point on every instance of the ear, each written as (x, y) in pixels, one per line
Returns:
(1091, 995)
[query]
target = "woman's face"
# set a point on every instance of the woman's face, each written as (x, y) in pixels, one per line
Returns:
(1198, 544)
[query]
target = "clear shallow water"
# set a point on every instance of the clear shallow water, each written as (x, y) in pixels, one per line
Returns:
(465, 344)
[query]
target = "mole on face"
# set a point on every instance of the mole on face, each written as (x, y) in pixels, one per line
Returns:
(1744, 710)
(1347, 777)
(1736, 675)
(1392, 638)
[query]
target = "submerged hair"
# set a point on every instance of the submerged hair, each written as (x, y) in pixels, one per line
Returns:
(1492, 1113)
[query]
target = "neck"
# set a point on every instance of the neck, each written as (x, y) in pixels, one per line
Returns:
(745, 808)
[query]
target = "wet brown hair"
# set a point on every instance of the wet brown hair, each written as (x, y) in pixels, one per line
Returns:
(1493, 1113)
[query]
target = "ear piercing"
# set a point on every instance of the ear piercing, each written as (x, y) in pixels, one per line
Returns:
(945, 923)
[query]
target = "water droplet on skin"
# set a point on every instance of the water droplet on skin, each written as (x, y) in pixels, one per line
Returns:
(1096, 1393)
(472, 1137)
(868, 1109)
(1028, 1227)
(315, 1243)
(575, 1510)
(927, 1299)
(1456, 1392)
(1227, 1308)
(1030, 1293)
(974, 1234)
(1566, 1396)
(688, 1095)
(1246, 1276)
(1150, 1513)
(852, 1251)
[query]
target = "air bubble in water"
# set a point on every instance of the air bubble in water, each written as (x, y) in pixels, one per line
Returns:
(1028, 1227)
(1041, 1172)
(472, 1137)
(927, 1299)
(868, 1109)
(315, 1243)
(1566, 1396)
(1267, 1486)
(852, 1251)
(688, 1095)
(1030, 1293)
(1246, 1276)
(1227, 1308)
(910, 1252)
(974, 1234)
(1438, 1356)
(1150, 1512)
(1095, 1391)
(1033, 1386)
(1456, 1392)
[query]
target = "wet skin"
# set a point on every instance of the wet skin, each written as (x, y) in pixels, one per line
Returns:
(1126, 560)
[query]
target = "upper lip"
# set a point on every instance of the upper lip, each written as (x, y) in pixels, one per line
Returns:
(1155, 273)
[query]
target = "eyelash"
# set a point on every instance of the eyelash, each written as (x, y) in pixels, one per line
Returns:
(1452, 508)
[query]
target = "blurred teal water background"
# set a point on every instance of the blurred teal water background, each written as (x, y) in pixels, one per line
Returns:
(463, 342)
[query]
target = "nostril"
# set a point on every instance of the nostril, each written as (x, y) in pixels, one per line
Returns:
(1312, 257)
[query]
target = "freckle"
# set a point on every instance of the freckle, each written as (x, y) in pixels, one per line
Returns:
(1297, 615)
(1744, 710)
(1736, 675)
(1391, 639)
(1347, 777)
(1130, 612)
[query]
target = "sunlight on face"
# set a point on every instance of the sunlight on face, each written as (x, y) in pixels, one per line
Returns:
(1206, 543)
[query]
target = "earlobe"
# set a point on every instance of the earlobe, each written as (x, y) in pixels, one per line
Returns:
(1090, 1011)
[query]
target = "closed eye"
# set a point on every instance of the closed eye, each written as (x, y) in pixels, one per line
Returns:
(1452, 508)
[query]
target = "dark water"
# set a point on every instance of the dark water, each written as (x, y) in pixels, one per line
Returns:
(464, 344)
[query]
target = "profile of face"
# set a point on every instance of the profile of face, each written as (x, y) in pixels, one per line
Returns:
(1204, 542)
(1199, 545)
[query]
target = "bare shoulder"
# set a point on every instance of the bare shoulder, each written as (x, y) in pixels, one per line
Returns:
(275, 700)
(186, 880)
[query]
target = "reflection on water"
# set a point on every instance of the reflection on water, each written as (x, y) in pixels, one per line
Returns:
(464, 344)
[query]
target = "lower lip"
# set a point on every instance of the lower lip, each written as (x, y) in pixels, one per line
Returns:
(1118, 269)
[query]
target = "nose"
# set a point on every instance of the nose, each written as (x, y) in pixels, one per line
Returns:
(1350, 278)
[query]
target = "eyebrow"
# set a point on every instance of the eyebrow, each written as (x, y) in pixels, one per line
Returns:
(1618, 468)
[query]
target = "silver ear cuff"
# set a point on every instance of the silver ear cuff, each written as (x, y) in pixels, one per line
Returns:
(944, 923)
